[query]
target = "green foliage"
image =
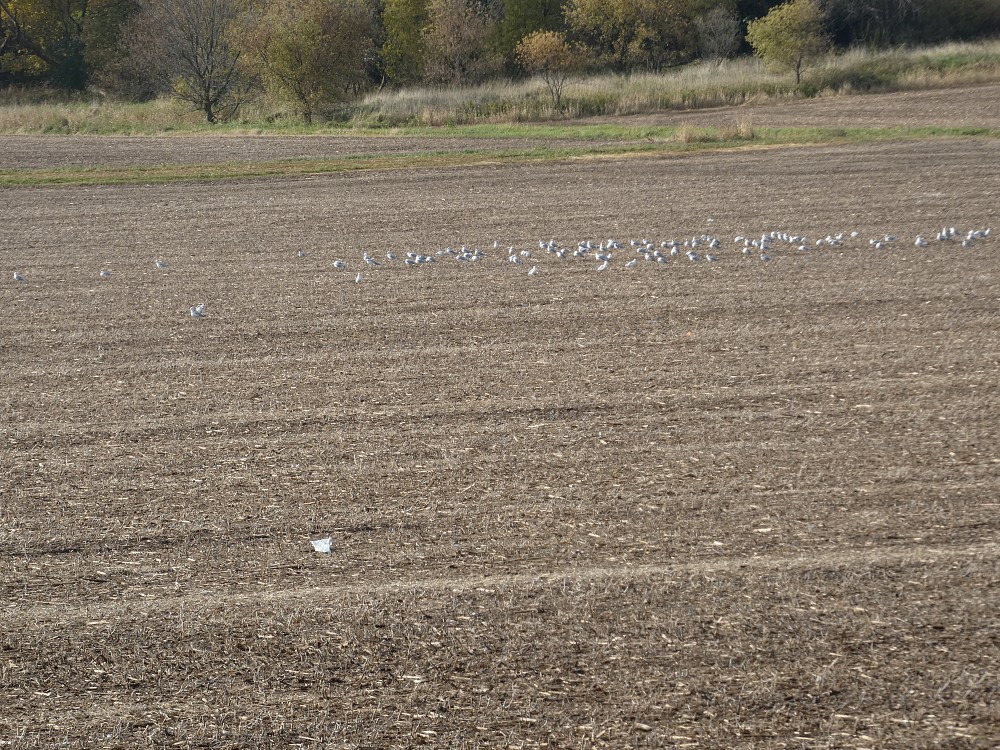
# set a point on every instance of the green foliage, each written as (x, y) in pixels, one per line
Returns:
(791, 35)
(311, 52)
(61, 41)
(104, 51)
(403, 51)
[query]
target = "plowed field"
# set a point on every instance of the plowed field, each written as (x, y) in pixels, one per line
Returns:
(738, 504)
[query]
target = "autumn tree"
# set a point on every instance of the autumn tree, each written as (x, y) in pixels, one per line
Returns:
(524, 17)
(631, 34)
(791, 35)
(311, 52)
(549, 55)
(190, 46)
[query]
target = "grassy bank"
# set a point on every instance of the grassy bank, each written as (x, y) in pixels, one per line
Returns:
(696, 86)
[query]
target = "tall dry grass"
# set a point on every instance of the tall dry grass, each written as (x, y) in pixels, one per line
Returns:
(694, 86)
(505, 101)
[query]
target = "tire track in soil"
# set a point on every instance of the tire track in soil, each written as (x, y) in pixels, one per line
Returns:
(833, 559)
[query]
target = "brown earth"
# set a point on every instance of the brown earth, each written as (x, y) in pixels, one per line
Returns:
(734, 504)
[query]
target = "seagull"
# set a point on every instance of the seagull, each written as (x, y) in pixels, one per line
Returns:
(765, 257)
(198, 311)
(105, 274)
(357, 279)
(161, 265)
(339, 265)
(533, 271)
(603, 266)
(18, 276)
(632, 263)
(300, 254)
(389, 255)
(371, 261)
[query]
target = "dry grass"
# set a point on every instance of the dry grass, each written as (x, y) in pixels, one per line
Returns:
(699, 86)
(735, 82)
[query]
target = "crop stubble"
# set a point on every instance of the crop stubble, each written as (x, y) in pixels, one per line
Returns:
(735, 505)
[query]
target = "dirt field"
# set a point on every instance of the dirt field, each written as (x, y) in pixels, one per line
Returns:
(740, 504)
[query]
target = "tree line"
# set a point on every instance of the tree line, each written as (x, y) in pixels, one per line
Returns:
(314, 53)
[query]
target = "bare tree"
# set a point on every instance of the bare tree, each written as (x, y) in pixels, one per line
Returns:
(457, 43)
(189, 44)
(718, 34)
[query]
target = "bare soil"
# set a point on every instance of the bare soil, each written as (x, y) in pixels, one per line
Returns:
(735, 504)
(44, 151)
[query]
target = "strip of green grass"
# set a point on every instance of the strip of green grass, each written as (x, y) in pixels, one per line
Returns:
(616, 142)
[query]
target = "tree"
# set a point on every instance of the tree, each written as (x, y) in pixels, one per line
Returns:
(189, 45)
(457, 43)
(791, 35)
(312, 52)
(524, 17)
(631, 34)
(548, 54)
(403, 50)
(718, 34)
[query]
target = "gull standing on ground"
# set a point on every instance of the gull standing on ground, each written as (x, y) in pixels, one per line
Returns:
(161, 265)
(105, 274)
(357, 279)
(18, 276)
(198, 311)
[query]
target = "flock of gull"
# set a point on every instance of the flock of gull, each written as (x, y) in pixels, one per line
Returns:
(624, 255)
